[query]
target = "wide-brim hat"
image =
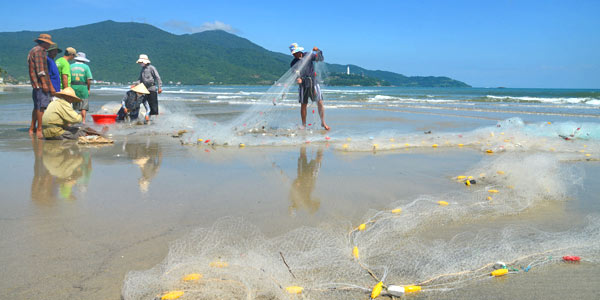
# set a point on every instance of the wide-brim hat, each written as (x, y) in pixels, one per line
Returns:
(54, 47)
(44, 37)
(140, 88)
(81, 57)
(295, 48)
(68, 94)
(143, 59)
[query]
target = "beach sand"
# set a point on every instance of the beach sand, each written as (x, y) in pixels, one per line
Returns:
(76, 219)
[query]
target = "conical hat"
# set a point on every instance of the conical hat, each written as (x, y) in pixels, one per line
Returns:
(68, 94)
(140, 88)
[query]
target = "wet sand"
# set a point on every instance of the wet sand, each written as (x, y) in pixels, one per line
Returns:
(75, 220)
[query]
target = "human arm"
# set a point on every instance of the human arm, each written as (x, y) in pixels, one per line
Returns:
(69, 115)
(317, 54)
(157, 79)
(123, 103)
(88, 75)
(147, 107)
(64, 80)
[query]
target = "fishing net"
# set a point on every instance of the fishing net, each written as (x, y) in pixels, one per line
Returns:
(425, 244)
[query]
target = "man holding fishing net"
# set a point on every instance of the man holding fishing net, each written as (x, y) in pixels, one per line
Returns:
(307, 80)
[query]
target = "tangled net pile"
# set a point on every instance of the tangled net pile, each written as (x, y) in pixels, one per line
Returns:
(391, 253)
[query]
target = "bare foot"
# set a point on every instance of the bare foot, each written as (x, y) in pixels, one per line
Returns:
(302, 127)
(31, 130)
(39, 135)
(325, 126)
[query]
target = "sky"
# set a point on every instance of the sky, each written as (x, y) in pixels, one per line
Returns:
(537, 44)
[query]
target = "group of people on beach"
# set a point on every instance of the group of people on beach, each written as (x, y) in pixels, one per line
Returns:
(61, 89)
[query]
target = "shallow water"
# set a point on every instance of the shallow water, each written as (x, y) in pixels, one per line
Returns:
(75, 220)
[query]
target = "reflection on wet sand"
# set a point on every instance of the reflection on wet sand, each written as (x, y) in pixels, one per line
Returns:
(148, 157)
(304, 184)
(58, 167)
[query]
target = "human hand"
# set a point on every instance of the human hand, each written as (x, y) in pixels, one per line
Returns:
(89, 92)
(125, 109)
(299, 80)
(159, 91)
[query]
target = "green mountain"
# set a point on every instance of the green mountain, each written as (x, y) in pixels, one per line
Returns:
(201, 58)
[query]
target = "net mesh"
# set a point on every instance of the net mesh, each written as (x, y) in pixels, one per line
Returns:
(411, 243)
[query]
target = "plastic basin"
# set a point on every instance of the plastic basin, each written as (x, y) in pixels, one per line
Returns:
(104, 119)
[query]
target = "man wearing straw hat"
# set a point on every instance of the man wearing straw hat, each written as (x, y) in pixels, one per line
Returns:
(40, 82)
(81, 80)
(60, 115)
(150, 78)
(130, 105)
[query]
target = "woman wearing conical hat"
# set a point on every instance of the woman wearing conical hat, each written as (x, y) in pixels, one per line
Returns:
(60, 116)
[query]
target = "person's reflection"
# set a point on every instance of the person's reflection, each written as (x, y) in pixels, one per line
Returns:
(148, 157)
(43, 185)
(57, 167)
(304, 184)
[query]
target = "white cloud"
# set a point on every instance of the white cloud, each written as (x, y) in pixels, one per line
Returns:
(185, 26)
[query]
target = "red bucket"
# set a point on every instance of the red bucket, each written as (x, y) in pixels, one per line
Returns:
(104, 119)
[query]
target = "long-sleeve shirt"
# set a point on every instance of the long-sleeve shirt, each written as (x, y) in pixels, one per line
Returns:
(131, 100)
(150, 78)
(38, 69)
(308, 70)
(58, 116)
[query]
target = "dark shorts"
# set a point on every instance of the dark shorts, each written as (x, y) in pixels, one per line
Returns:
(153, 102)
(83, 105)
(40, 99)
(305, 92)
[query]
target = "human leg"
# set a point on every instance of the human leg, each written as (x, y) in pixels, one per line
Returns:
(320, 106)
(303, 113)
(322, 114)
(153, 103)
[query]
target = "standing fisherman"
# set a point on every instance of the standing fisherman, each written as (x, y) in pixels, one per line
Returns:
(307, 81)
(40, 82)
(150, 78)
(81, 81)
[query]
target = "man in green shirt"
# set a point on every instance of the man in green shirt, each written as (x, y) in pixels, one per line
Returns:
(81, 80)
(64, 67)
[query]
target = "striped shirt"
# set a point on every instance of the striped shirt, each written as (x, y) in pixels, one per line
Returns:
(38, 69)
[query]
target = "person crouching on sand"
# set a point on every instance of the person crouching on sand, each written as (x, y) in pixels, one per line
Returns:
(60, 116)
(130, 105)
(307, 81)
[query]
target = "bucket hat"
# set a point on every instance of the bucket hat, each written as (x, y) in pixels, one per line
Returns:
(68, 94)
(295, 48)
(54, 47)
(81, 57)
(143, 59)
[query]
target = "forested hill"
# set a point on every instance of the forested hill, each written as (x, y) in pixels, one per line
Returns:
(207, 57)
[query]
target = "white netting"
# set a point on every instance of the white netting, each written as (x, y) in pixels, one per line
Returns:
(428, 242)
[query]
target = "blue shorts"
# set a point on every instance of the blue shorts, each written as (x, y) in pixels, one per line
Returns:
(40, 99)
